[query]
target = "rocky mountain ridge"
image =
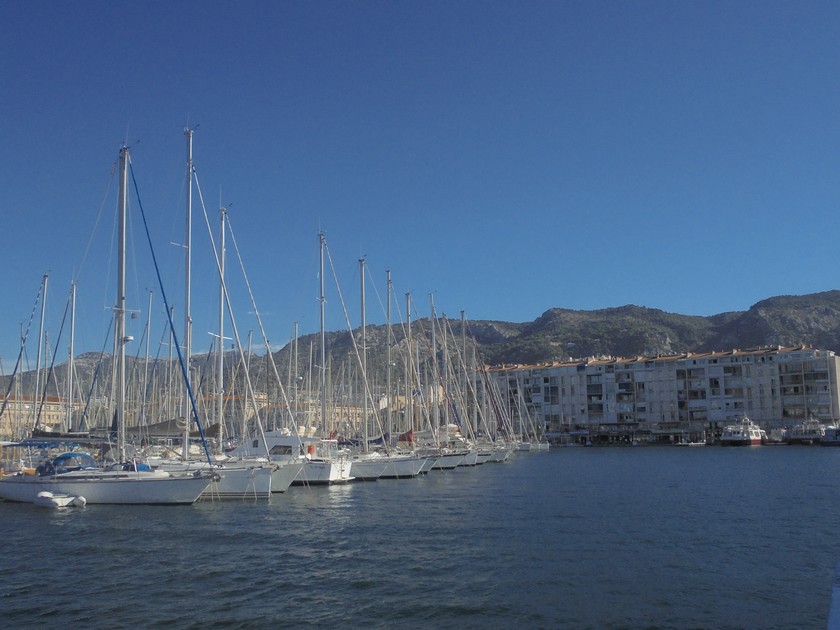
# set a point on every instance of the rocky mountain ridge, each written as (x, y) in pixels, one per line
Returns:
(557, 335)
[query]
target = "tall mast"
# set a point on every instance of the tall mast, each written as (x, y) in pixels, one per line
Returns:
(170, 400)
(465, 378)
(146, 403)
(119, 309)
(364, 355)
(323, 343)
(220, 364)
(388, 358)
(187, 291)
(434, 389)
(409, 372)
(70, 364)
(296, 402)
(36, 396)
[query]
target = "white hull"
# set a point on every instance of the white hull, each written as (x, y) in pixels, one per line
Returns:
(126, 488)
(240, 483)
(470, 459)
(403, 467)
(448, 462)
(484, 456)
(368, 469)
(320, 472)
(238, 480)
(284, 475)
(324, 463)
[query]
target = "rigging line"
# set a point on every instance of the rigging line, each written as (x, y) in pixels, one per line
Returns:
(368, 393)
(147, 394)
(375, 290)
(184, 372)
(96, 223)
(51, 370)
(22, 346)
(230, 314)
(135, 366)
(83, 421)
(259, 318)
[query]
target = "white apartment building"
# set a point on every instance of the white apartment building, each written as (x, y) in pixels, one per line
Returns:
(775, 386)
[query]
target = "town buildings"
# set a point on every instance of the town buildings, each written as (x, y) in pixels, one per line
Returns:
(692, 394)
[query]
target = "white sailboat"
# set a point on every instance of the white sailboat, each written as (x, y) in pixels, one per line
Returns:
(78, 474)
(325, 463)
(239, 479)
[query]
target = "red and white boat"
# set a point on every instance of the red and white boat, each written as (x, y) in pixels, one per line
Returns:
(746, 433)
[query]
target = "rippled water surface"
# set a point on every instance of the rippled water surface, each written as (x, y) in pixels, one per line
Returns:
(577, 537)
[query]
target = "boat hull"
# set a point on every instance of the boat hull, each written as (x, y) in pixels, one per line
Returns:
(403, 467)
(471, 459)
(237, 479)
(108, 488)
(741, 442)
(240, 483)
(323, 472)
(367, 469)
(449, 461)
(284, 475)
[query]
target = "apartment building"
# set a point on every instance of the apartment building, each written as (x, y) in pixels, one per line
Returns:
(774, 386)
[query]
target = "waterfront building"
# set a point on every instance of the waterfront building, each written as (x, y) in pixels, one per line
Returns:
(691, 394)
(20, 415)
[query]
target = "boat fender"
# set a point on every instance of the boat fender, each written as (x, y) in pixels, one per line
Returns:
(79, 502)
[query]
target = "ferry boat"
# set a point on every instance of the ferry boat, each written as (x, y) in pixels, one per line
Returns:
(746, 433)
(810, 432)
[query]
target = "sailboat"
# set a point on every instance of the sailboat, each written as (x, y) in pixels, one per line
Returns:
(78, 474)
(325, 462)
(238, 479)
(370, 464)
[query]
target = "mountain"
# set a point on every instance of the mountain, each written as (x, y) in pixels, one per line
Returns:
(562, 334)
(638, 331)
(556, 335)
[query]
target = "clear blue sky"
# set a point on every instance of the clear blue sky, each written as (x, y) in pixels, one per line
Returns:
(509, 156)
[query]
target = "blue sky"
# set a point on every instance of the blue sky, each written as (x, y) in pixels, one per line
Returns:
(510, 157)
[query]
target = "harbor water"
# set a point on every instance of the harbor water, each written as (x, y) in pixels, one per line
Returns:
(646, 537)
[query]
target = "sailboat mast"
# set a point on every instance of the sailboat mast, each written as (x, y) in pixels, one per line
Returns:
(119, 309)
(409, 366)
(434, 391)
(296, 402)
(323, 343)
(70, 361)
(364, 355)
(36, 396)
(146, 402)
(187, 288)
(388, 357)
(220, 364)
(465, 383)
